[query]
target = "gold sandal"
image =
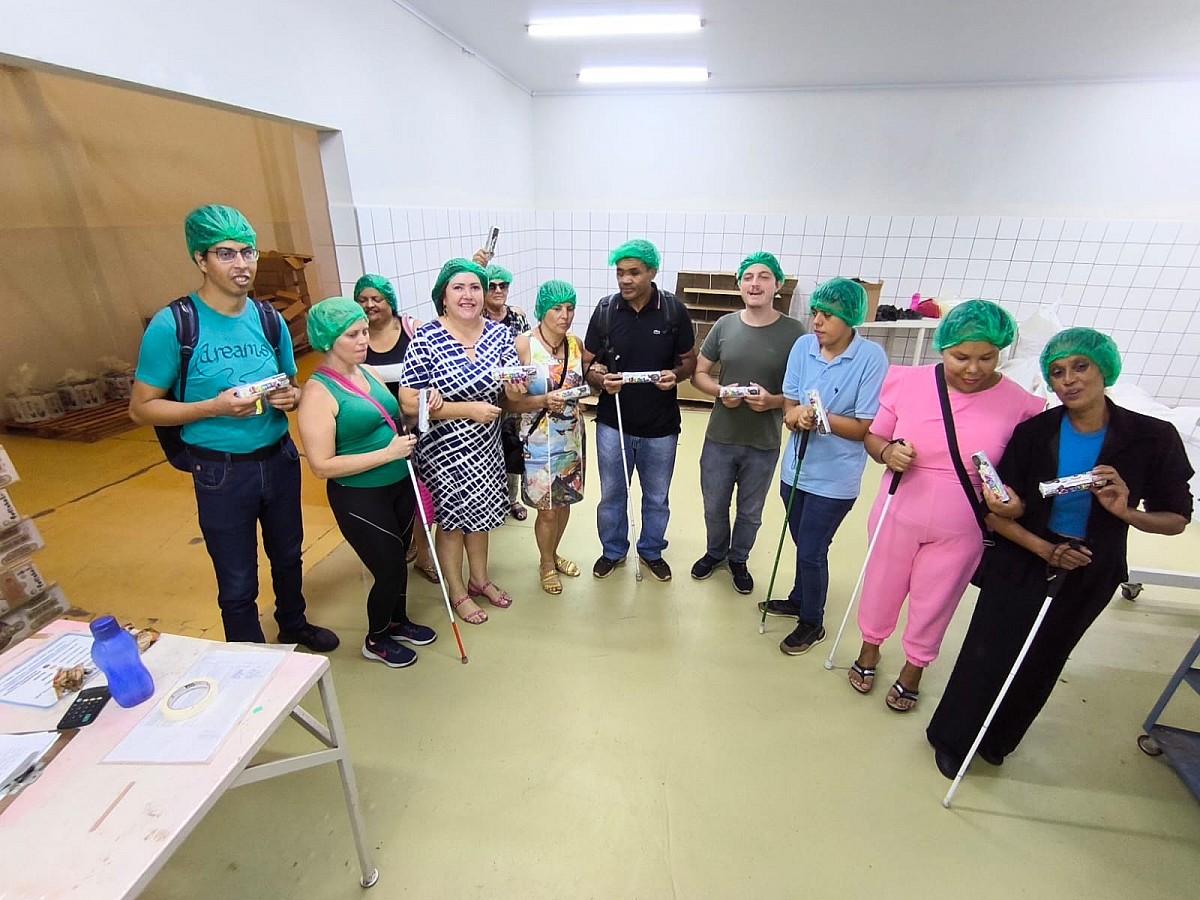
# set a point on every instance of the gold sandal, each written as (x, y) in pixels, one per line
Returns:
(567, 567)
(550, 581)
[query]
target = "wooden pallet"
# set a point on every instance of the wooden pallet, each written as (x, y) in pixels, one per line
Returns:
(86, 425)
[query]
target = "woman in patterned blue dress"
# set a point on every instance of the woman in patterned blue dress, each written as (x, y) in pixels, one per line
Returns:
(460, 458)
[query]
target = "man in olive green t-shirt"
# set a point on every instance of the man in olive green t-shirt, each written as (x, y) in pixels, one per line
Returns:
(741, 445)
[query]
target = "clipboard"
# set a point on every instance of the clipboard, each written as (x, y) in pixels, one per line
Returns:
(64, 738)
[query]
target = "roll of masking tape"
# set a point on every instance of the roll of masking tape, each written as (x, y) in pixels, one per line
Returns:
(188, 699)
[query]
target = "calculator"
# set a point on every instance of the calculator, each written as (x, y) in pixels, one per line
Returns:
(85, 708)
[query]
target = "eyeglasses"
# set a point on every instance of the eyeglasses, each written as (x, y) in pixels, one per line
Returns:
(228, 254)
(498, 286)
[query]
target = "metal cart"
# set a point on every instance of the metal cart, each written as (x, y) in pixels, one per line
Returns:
(1182, 747)
(1163, 577)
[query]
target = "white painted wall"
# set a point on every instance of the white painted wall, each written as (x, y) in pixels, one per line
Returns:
(1092, 150)
(412, 106)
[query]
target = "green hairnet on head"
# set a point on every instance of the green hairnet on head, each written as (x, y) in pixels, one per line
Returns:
(843, 298)
(1098, 347)
(454, 267)
(209, 225)
(497, 273)
(641, 250)
(329, 320)
(975, 320)
(551, 294)
(762, 258)
(380, 284)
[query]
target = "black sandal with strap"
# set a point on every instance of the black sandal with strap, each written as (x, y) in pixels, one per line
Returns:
(863, 674)
(902, 693)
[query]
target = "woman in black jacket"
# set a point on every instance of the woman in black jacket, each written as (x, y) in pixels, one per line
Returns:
(1141, 476)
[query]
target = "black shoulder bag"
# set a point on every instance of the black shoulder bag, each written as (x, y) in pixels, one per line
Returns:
(978, 507)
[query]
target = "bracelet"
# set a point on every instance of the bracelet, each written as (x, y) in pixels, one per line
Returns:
(885, 446)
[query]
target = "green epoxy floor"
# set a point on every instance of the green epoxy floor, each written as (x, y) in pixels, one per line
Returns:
(627, 740)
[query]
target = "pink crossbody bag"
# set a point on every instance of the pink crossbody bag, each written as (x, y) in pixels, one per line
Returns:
(426, 498)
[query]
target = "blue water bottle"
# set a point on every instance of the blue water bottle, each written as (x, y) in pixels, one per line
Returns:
(115, 651)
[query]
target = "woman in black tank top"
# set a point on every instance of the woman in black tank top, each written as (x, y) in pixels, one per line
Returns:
(390, 334)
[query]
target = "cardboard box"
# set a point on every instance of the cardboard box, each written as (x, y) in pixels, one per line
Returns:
(8, 472)
(873, 289)
(32, 617)
(20, 584)
(9, 516)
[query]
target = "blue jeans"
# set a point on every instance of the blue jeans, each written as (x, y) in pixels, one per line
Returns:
(723, 466)
(654, 461)
(233, 499)
(813, 523)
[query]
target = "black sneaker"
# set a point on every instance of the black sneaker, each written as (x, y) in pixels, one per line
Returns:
(658, 568)
(704, 566)
(314, 637)
(604, 566)
(412, 633)
(781, 608)
(742, 582)
(803, 639)
(388, 651)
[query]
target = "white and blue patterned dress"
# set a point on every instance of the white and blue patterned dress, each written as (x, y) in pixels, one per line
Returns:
(460, 459)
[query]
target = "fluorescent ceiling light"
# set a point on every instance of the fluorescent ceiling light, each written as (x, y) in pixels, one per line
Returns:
(600, 26)
(643, 75)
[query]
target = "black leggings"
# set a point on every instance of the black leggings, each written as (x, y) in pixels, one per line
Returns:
(378, 522)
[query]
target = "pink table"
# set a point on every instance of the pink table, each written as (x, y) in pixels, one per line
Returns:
(97, 830)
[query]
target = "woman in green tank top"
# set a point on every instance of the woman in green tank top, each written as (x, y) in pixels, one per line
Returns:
(348, 420)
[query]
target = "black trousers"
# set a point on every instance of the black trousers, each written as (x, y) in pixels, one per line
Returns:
(378, 522)
(1004, 614)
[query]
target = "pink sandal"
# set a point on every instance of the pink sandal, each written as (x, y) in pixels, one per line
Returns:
(504, 601)
(476, 618)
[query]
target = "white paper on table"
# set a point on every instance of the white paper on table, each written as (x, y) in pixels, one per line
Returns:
(20, 751)
(32, 682)
(240, 677)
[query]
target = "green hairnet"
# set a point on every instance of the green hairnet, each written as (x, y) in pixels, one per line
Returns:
(497, 273)
(1099, 348)
(843, 298)
(329, 320)
(641, 250)
(454, 267)
(762, 258)
(380, 284)
(551, 294)
(975, 320)
(209, 225)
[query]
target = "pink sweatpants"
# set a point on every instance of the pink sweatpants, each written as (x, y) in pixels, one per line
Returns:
(925, 552)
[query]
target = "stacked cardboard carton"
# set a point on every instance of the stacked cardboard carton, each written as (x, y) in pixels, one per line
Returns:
(280, 280)
(27, 602)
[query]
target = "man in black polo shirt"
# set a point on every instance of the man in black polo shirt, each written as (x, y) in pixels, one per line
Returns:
(640, 329)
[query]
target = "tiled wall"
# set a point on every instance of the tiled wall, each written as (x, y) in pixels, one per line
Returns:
(1137, 280)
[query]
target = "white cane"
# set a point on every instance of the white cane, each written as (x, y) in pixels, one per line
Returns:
(863, 574)
(1055, 583)
(637, 558)
(421, 514)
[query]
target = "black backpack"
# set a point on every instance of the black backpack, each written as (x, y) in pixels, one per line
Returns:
(187, 332)
(603, 318)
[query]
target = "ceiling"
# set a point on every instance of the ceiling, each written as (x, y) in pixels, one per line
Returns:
(799, 44)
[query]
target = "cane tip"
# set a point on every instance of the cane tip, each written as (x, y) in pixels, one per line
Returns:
(945, 803)
(762, 629)
(828, 665)
(464, 660)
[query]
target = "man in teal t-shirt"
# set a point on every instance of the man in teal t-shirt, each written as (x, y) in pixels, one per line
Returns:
(245, 468)
(741, 445)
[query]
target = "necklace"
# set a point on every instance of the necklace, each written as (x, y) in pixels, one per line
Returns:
(553, 350)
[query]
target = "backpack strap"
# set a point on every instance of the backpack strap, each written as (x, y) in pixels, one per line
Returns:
(271, 323)
(978, 507)
(187, 333)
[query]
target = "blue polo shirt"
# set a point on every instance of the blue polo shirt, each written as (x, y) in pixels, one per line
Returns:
(849, 386)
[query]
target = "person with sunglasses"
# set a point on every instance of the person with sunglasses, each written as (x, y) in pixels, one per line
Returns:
(245, 468)
(513, 318)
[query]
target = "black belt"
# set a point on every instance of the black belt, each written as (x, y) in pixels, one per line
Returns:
(262, 453)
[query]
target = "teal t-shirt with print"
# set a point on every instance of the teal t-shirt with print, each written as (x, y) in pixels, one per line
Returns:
(231, 351)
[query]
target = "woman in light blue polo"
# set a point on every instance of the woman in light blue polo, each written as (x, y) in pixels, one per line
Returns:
(848, 371)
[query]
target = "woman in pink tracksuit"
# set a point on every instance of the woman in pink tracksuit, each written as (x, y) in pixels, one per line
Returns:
(931, 542)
